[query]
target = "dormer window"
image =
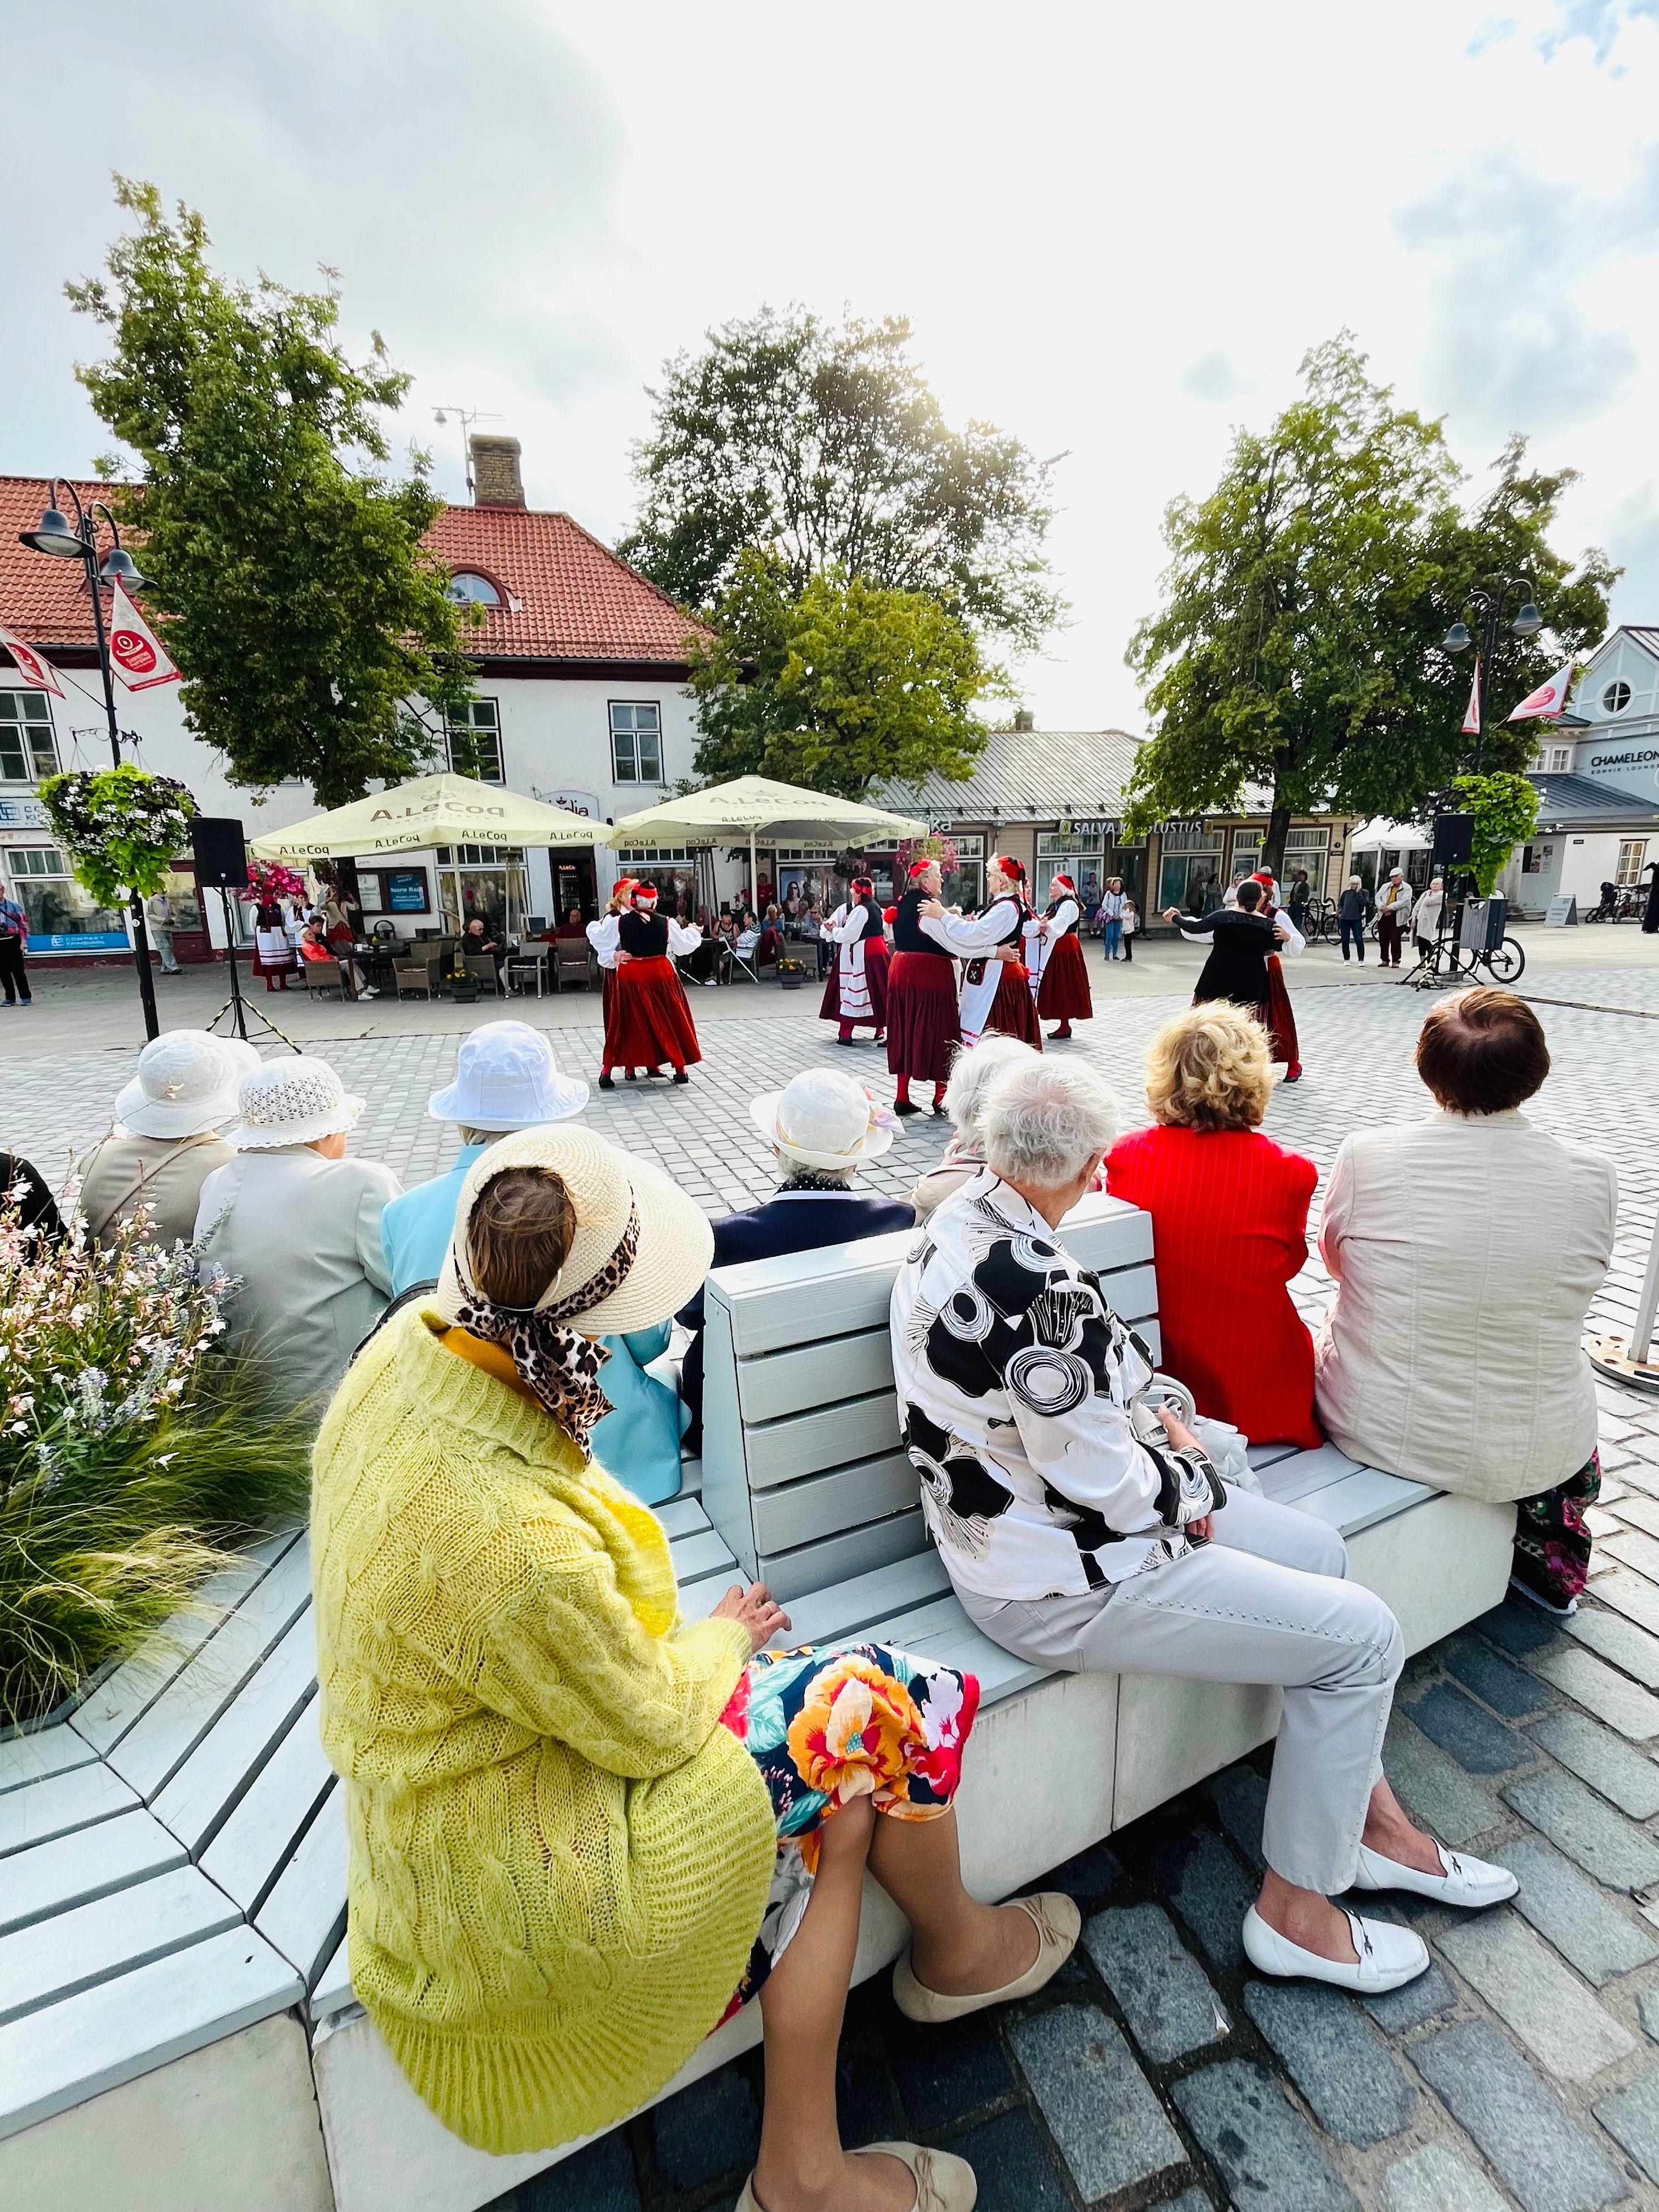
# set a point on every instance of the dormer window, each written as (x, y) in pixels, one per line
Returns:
(470, 589)
(1616, 697)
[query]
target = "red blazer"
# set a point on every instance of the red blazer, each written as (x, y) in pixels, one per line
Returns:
(1229, 1230)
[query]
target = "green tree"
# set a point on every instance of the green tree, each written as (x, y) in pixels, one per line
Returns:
(822, 444)
(1505, 808)
(1299, 645)
(302, 607)
(842, 686)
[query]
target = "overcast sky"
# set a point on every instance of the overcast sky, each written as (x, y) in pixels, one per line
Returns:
(1116, 231)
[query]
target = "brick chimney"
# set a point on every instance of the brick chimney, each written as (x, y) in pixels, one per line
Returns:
(1024, 719)
(496, 478)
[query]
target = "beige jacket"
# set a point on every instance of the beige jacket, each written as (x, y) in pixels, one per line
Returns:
(303, 1233)
(1466, 1250)
(164, 1173)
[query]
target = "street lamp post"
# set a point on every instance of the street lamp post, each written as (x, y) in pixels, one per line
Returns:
(55, 534)
(1487, 605)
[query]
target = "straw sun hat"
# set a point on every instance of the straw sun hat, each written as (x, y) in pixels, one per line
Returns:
(676, 1244)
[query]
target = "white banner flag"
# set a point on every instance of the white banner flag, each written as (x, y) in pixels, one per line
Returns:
(1549, 698)
(1472, 714)
(135, 651)
(32, 666)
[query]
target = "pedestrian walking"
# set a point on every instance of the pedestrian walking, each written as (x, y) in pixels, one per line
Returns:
(1394, 912)
(1426, 916)
(1353, 911)
(160, 919)
(1651, 911)
(14, 943)
(1111, 917)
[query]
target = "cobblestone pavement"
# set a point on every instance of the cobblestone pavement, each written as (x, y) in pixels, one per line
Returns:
(1523, 2069)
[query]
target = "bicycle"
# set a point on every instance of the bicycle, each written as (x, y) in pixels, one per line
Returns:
(1446, 961)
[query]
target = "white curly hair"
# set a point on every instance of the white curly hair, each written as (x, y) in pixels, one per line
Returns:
(1047, 1125)
(972, 1074)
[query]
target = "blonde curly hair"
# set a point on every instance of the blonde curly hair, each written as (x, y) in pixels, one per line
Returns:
(1210, 1068)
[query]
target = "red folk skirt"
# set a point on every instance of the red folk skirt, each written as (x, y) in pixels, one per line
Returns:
(1279, 1021)
(650, 1021)
(923, 1029)
(876, 957)
(1063, 995)
(1013, 1011)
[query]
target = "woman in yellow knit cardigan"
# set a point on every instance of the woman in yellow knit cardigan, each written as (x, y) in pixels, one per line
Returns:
(583, 1830)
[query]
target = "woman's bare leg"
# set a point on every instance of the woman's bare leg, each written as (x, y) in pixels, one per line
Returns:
(1305, 1917)
(802, 2167)
(960, 1946)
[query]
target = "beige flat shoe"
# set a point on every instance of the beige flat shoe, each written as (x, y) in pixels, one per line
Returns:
(1059, 1924)
(943, 2183)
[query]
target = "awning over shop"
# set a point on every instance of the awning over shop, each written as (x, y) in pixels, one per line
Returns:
(1402, 836)
(753, 806)
(434, 809)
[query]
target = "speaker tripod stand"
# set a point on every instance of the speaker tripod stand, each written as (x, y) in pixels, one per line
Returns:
(236, 1008)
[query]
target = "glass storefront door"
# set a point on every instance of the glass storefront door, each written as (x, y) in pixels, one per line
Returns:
(487, 881)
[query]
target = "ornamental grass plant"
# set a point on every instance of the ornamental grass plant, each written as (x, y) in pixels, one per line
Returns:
(134, 1450)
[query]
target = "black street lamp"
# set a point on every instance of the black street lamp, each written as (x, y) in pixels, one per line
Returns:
(1487, 607)
(64, 540)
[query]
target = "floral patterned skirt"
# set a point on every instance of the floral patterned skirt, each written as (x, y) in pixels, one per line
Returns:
(825, 1724)
(1551, 1544)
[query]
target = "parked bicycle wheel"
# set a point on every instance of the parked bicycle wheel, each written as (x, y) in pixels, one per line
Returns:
(1507, 962)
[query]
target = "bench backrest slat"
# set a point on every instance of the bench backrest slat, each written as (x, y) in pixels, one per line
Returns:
(75, 1799)
(256, 1840)
(92, 1862)
(55, 1959)
(27, 1758)
(304, 1915)
(194, 1803)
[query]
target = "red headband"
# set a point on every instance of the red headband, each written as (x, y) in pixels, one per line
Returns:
(1009, 866)
(921, 867)
(863, 886)
(641, 894)
(1065, 883)
(1262, 876)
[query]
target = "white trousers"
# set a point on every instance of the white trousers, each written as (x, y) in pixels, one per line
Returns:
(1267, 1601)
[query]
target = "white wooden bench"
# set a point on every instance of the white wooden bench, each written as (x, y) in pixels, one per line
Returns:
(177, 2023)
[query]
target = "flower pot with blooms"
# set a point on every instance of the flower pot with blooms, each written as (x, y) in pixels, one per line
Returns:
(121, 827)
(133, 1449)
(791, 973)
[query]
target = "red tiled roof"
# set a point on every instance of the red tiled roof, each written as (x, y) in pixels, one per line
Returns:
(564, 595)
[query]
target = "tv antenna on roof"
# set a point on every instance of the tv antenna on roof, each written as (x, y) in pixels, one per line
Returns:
(466, 416)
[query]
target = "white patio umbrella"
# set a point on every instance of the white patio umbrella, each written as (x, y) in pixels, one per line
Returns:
(434, 809)
(752, 805)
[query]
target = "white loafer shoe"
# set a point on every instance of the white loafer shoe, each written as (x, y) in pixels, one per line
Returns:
(1460, 1882)
(1388, 1957)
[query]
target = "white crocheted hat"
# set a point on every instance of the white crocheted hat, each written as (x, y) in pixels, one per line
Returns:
(292, 1102)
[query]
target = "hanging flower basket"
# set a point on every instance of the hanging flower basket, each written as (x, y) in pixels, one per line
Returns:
(936, 848)
(122, 828)
(269, 880)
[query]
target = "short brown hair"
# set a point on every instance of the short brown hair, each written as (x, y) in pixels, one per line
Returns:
(1483, 1052)
(518, 1234)
(1209, 1068)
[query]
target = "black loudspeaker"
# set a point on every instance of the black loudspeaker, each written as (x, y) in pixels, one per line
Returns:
(1454, 841)
(220, 853)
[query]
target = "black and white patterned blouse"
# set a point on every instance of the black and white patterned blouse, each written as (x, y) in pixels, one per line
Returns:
(1014, 1377)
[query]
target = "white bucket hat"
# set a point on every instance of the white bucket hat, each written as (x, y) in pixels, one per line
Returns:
(507, 1078)
(674, 1250)
(186, 1085)
(292, 1102)
(821, 1119)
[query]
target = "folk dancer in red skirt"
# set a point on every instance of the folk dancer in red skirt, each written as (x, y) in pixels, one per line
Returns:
(1244, 953)
(996, 986)
(923, 1031)
(1059, 975)
(602, 936)
(651, 1021)
(1281, 1021)
(855, 989)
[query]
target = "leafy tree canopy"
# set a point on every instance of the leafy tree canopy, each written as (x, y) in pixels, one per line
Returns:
(821, 444)
(303, 611)
(843, 686)
(1299, 644)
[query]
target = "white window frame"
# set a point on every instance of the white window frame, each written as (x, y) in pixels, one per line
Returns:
(1560, 760)
(31, 728)
(625, 745)
(1632, 858)
(465, 718)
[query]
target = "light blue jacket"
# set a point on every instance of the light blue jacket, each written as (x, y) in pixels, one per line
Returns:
(638, 1443)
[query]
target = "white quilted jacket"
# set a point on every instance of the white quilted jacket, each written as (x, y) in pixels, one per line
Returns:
(1467, 1249)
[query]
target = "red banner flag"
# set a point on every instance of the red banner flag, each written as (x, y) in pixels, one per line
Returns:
(1472, 714)
(135, 651)
(33, 667)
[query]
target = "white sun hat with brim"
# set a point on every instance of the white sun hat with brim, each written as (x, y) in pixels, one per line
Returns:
(673, 1253)
(294, 1101)
(186, 1085)
(506, 1076)
(822, 1119)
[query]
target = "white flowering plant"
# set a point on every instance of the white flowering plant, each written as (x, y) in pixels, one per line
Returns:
(133, 1448)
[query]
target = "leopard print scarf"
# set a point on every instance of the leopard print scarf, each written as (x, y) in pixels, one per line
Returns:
(559, 1365)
